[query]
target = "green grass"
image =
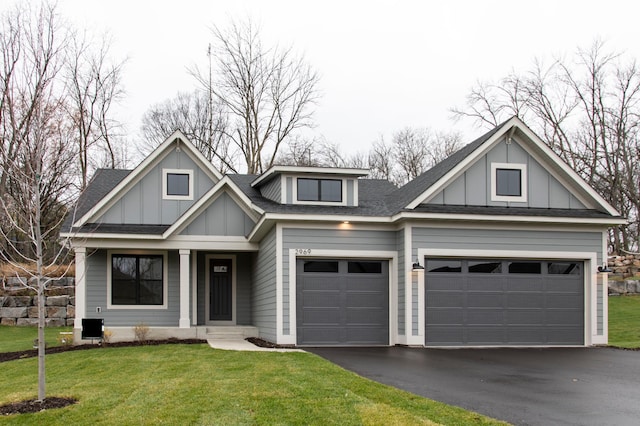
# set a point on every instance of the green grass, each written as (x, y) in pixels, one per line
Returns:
(14, 339)
(194, 384)
(624, 321)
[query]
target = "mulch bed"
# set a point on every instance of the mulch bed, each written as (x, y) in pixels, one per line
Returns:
(34, 406)
(266, 344)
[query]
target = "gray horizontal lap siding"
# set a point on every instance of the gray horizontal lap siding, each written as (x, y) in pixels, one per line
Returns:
(272, 190)
(263, 299)
(96, 294)
(328, 239)
(513, 240)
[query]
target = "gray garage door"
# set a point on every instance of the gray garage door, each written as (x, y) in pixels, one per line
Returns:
(504, 302)
(342, 302)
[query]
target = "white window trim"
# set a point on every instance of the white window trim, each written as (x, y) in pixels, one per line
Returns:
(294, 191)
(523, 182)
(166, 196)
(165, 279)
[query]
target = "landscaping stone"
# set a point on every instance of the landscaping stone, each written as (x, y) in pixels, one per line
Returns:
(72, 300)
(33, 312)
(55, 322)
(9, 302)
(57, 301)
(13, 312)
(8, 321)
(2, 298)
(17, 281)
(27, 322)
(71, 311)
(22, 300)
(70, 322)
(56, 312)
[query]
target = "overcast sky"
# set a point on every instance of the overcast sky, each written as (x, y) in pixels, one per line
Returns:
(384, 65)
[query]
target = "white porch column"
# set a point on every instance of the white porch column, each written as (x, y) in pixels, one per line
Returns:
(81, 286)
(184, 289)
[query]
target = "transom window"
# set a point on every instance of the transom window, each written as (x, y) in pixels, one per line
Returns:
(328, 190)
(508, 182)
(137, 279)
(177, 184)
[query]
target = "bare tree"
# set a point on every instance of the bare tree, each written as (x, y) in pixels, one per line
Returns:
(200, 118)
(267, 93)
(587, 109)
(34, 135)
(93, 86)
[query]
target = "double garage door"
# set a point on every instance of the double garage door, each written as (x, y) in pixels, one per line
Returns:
(342, 302)
(502, 302)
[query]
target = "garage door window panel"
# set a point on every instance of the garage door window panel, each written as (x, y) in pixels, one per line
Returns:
(564, 268)
(444, 265)
(525, 267)
(365, 267)
(485, 267)
(321, 266)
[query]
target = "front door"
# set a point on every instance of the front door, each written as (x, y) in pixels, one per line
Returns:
(220, 290)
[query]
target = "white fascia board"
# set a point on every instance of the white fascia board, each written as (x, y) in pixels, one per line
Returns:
(552, 156)
(500, 218)
(205, 201)
(337, 171)
(461, 166)
(214, 244)
(294, 217)
(136, 174)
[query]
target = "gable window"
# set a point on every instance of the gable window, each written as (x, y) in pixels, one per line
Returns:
(328, 190)
(137, 280)
(177, 184)
(508, 182)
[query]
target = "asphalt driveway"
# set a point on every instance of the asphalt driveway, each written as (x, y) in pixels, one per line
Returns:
(582, 386)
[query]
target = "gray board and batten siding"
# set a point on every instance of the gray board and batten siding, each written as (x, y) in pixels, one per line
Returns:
(355, 241)
(263, 302)
(222, 217)
(96, 295)
(143, 204)
(473, 187)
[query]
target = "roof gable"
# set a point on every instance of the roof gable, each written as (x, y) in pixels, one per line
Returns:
(176, 143)
(427, 186)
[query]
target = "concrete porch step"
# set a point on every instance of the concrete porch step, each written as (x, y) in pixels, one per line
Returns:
(232, 332)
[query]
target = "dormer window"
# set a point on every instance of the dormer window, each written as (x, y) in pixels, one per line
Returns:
(508, 182)
(177, 184)
(325, 190)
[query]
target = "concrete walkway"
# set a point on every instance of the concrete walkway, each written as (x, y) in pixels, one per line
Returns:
(243, 345)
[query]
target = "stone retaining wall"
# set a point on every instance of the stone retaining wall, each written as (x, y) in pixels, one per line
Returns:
(19, 306)
(623, 279)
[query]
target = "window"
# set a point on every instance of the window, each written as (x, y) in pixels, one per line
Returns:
(485, 267)
(564, 268)
(444, 265)
(177, 184)
(328, 190)
(508, 182)
(321, 266)
(360, 267)
(137, 279)
(525, 267)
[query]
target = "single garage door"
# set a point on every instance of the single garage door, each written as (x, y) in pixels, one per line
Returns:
(479, 302)
(342, 302)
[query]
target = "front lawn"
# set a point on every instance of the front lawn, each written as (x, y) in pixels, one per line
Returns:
(624, 321)
(13, 339)
(194, 384)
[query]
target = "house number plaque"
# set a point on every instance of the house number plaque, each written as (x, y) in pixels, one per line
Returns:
(303, 252)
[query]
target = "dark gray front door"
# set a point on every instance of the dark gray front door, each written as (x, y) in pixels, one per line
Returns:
(220, 290)
(342, 302)
(480, 302)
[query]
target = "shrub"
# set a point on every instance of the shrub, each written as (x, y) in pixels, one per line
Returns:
(141, 331)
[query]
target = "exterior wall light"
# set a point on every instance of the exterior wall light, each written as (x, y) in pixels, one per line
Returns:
(604, 269)
(417, 266)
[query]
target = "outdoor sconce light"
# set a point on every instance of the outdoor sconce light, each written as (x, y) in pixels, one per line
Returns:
(604, 269)
(417, 266)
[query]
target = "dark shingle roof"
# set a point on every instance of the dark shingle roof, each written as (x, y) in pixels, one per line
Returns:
(409, 192)
(102, 182)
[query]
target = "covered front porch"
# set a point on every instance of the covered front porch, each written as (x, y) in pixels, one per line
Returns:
(199, 294)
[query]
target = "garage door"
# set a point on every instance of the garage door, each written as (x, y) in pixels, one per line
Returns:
(342, 302)
(502, 302)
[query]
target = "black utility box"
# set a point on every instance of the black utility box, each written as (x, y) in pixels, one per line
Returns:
(92, 328)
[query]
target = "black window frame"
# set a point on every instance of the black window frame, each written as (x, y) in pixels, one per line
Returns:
(138, 280)
(172, 194)
(508, 191)
(320, 197)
